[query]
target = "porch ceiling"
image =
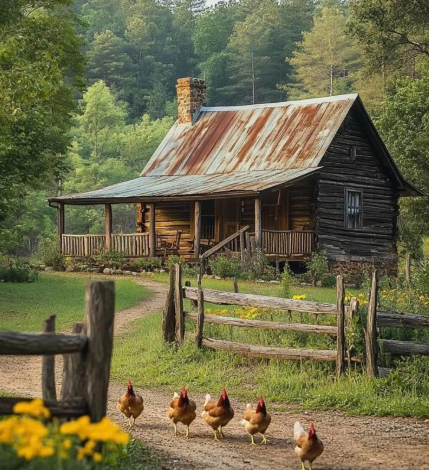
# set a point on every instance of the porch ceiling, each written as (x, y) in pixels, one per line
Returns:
(152, 188)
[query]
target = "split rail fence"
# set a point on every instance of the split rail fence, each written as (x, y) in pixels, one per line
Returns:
(174, 320)
(87, 356)
(377, 319)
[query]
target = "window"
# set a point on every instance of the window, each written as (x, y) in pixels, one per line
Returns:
(353, 152)
(353, 209)
(207, 219)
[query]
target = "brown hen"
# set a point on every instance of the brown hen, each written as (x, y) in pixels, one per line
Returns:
(308, 445)
(131, 405)
(182, 410)
(256, 421)
(217, 415)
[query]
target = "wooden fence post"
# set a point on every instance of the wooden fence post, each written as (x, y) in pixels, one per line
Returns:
(371, 329)
(200, 318)
(242, 252)
(235, 285)
(341, 325)
(74, 371)
(408, 268)
(98, 327)
(169, 318)
(178, 303)
(48, 366)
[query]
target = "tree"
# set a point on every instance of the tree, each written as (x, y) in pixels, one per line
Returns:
(393, 33)
(326, 58)
(40, 69)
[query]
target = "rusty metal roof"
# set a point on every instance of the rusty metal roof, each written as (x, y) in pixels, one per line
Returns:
(189, 186)
(278, 136)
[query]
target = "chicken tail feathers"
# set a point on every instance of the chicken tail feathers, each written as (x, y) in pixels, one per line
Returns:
(175, 395)
(208, 398)
(298, 430)
(248, 405)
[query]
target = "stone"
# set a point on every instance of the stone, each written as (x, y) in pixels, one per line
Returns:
(70, 269)
(107, 271)
(134, 273)
(127, 273)
(117, 271)
(218, 278)
(163, 271)
(42, 267)
(49, 268)
(93, 270)
(274, 282)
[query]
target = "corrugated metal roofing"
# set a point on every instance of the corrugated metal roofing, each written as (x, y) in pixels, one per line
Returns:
(192, 185)
(278, 136)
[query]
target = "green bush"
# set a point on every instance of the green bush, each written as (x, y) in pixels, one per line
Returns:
(50, 254)
(111, 259)
(146, 264)
(223, 267)
(174, 259)
(17, 274)
(421, 276)
(287, 282)
(329, 280)
(258, 267)
(317, 267)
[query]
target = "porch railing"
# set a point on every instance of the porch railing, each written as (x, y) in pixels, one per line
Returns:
(288, 242)
(130, 244)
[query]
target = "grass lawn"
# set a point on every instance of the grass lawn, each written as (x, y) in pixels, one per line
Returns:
(23, 307)
(142, 356)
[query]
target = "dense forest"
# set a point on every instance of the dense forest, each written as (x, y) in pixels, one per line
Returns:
(87, 88)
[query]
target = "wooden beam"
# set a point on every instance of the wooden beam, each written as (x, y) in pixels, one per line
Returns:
(262, 301)
(108, 219)
(403, 320)
(258, 222)
(270, 352)
(178, 304)
(265, 325)
(70, 409)
(48, 366)
(39, 344)
(404, 348)
(223, 242)
(98, 327)
(74, 381)
(197, 230)
(341, 339)
(60, 225)
(371, 330)
(152, 231)
(168, 317)
(200, 315)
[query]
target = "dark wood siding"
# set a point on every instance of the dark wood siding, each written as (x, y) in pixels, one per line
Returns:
(376, 240)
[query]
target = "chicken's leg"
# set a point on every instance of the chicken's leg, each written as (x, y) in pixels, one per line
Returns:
(187, 432)
(215, 434)
(175, 429)
(264, 439)
(129, 422)
(252, 443)
(221, 434)
(303, 466)
(310, 465)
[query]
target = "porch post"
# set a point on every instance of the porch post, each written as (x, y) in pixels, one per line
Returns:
(108, 219)
(258, 223)
(152, 231)
(60, 225)
(197, 222)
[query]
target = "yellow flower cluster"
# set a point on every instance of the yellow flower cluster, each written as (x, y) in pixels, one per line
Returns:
(360, 297)
(404, 297)
(31, 438)
(299, 297)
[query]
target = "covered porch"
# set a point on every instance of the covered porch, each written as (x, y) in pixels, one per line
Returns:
(279, 222)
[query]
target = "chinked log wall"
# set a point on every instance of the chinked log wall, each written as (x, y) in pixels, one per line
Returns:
(87, 355)
(174, 321)
(376, 241)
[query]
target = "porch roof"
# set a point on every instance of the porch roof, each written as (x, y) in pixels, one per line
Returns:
(169, 187)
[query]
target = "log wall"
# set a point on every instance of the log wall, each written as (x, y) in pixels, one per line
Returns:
(375, 242)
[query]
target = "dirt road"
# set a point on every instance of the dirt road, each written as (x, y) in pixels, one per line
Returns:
(351, 443)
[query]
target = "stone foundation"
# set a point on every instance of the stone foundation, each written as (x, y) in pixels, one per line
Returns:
(348, 268)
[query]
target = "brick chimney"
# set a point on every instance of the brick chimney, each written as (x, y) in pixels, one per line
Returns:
(191, 95)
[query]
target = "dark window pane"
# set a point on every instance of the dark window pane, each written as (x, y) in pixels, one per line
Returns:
(353, 209)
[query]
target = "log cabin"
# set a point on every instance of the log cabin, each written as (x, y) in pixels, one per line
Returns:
(288, 178)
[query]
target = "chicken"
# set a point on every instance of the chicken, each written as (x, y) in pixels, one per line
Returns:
(308, 445)
(182, 410)
(131, 405)
(217, 415)
(256, 421)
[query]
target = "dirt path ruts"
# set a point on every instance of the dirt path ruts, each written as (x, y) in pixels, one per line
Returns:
(351, 443)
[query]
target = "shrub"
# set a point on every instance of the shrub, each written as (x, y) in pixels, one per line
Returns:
(146, 264)
(317, 267)
(16, 274)
(111, 259)
(421, 276)
(174, 259)
(329, 280)
(50, 254)
(287, 282)
(223, 267)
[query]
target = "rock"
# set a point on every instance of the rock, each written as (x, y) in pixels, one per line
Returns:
(83, 267)
(70, 269)
(274, 282)
(260, 281)
(127, 273)
(107, 271)
(162, 270)
(117, 271)
(156, 270)
(49, 268)
(93, 270)
(42, 267)
(218, 278)
(134, 273)
(319, 284)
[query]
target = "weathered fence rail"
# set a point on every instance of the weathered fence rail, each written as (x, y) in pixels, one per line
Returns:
(199, 296)
(378, 319)
(87, 355)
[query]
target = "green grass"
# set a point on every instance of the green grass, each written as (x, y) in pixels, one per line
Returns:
(23, 307)
(142, 356)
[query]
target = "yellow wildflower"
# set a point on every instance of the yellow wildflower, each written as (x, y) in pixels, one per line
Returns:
(97, 457)
(33, 408)
(361, 296)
